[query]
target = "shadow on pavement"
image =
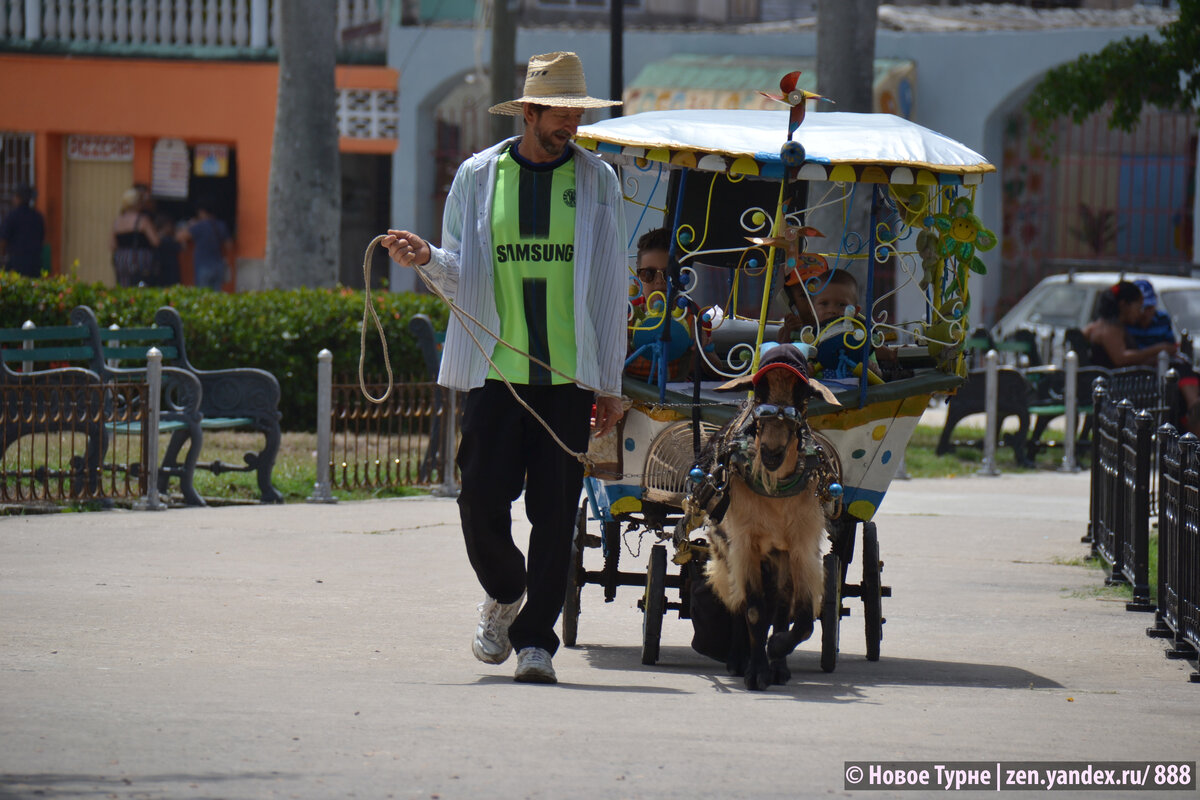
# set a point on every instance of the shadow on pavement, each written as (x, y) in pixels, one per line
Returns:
(51, 785)
(852, 670)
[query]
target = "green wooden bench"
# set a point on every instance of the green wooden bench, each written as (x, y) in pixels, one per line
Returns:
(236, 398)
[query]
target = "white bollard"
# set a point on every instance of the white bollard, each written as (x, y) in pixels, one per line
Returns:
(322, 491)
(152, 502)
(27, 366)
(991, 405)
(1070, 412)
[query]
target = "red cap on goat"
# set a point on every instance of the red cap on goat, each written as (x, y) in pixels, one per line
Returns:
(783, 356)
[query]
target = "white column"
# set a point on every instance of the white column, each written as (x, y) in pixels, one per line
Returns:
(64, 20)
(179, 25)
(79, 21)
(241, 23)
(225, 26)
(259, 23)
(107, 23)
(137, 22)
(121, 22)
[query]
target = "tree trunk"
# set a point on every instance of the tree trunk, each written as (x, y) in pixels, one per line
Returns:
(846, 53)
(304, 197)
(846, 75)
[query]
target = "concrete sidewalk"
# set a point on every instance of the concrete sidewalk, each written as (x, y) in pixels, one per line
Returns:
(324, 651)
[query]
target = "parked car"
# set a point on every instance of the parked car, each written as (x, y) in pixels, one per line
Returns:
(1060, 302)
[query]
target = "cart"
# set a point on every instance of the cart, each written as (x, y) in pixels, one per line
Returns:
(744, 195)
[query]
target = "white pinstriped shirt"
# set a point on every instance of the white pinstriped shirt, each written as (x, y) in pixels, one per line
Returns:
(462, 268)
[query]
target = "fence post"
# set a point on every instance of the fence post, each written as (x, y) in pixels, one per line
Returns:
(150, 431)
(27, 366)
(1099, 398)
(991, 388)
(1070, 412)
(1170, 481)
(449, 486)
(321, 489)
(1162, 365)
(1137, 512)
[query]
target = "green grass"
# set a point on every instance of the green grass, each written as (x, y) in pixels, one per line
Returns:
(921, 459)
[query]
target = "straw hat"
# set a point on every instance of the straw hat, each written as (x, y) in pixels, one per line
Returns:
(554, 79)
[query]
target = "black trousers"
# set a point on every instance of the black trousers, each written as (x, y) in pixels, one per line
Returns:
(503, 450)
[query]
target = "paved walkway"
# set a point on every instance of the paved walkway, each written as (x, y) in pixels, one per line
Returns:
(323, 652)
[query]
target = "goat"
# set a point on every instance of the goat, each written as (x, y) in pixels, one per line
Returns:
(765, 562)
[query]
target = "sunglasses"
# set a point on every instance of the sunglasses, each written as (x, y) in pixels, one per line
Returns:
(648, 275)
(771, 411)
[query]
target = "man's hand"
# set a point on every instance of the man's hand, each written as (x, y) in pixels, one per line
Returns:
(609, 411)
(406, 249)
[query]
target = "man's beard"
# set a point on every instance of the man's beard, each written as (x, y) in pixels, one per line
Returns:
(549, 143)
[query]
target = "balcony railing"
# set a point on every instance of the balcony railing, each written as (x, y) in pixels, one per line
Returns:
(215, 28)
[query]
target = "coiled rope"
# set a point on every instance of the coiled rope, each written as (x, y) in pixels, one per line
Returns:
(461, 313)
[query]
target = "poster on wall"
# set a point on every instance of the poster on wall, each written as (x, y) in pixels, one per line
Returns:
(211, 160)
(100, 148)
(170, 175)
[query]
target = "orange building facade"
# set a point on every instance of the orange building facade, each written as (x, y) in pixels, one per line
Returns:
(101, 125)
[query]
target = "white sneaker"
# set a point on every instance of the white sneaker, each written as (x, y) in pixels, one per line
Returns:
(491, 645)
(533, 666)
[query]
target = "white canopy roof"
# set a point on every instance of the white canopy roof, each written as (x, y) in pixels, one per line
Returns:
(749, 142)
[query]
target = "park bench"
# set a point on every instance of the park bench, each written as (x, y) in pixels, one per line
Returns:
(1013, 395)
(243, 398)
(55, 381)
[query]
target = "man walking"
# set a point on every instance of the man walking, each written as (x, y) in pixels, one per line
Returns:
(533, 239)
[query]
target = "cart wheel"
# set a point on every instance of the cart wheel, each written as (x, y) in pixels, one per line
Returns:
(570, 612)
(831, 612)
(654, 604)
(872, 590)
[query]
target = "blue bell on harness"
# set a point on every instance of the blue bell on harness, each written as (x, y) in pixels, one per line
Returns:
(696, 475)
(835, 490)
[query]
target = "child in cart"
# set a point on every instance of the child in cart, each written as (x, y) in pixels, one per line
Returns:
(649, 299)
(836, 326)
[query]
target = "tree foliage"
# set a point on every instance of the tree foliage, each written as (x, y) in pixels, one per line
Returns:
(1161, 71)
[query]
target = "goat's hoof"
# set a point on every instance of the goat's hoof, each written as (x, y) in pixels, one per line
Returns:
(758, 680)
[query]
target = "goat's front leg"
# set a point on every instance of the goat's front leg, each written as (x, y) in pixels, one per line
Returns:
(759, 615)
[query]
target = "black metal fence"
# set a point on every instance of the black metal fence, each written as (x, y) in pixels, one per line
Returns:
(1140, 463)
(1177, 616)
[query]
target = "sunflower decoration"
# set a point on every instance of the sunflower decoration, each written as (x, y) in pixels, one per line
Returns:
(961, 235)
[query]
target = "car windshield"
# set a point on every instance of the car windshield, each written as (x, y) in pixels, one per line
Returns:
(1184, 307)
(1061, 305)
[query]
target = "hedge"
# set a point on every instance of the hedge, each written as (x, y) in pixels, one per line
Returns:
(280, 331)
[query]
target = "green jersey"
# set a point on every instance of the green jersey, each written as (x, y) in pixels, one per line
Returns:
(533, 263)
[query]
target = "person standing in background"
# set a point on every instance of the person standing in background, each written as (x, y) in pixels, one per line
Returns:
(214, 247)
(133, 242)
(22, 234)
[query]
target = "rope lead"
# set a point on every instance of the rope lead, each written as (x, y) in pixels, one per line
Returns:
(369, 308)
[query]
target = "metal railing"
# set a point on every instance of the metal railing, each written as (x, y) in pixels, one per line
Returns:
(1177, 616)
(243, 25)
(57, 448)
(404, 441)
